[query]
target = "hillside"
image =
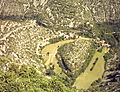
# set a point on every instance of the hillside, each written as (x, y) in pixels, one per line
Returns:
(59, 45)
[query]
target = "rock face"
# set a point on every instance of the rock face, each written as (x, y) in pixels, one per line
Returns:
(75, 13)
(112, 74)
(22, 41)
(62, 14)
(21, 9)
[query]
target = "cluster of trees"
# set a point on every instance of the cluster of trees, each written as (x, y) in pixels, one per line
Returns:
(25, 78)
(108, 31)
(64, 58)
(57, 39)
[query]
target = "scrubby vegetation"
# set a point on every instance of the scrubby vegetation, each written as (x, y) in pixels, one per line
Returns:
(24, 78)
(29, 25)
(109, 31)
(57, 39)
(74, 57)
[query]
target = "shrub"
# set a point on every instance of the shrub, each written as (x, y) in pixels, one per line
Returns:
(24, 78)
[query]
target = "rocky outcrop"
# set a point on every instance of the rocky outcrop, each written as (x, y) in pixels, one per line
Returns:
(74, 57)
(22, 41)
(112, 75)
(62, 14)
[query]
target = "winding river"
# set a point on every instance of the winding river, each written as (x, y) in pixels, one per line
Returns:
(85, 79)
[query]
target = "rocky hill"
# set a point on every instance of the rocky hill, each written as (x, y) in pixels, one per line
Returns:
(74, 57)
(61, 14)
(27, 26)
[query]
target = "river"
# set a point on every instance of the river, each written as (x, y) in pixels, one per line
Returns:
(85, 79)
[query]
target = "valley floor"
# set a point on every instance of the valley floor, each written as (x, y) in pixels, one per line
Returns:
(85, 79)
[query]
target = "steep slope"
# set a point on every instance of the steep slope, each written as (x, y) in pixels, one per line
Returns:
(29, 25)
(60, 14)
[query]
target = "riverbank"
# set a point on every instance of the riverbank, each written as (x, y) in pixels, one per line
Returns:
(85, 80)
